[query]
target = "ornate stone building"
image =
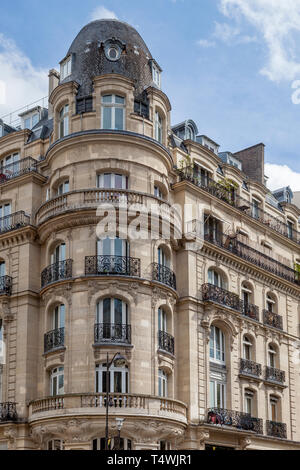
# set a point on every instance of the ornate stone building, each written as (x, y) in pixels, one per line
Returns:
(207, 319)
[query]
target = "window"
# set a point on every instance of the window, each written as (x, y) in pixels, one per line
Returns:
(217, 393)
(156, 75)
(2, 269)
(57, 382)
(165, 445)
(115, 247)
(157, 192)
(84, 105)
(271, 303)
(201, 175)
(158, 128)
(55, 444)
(63, 127)
(162, 384)
(249, 398)
(125, 444)
(66, 68)
(112, 312)
(246, 295)
(272, 359)
(215, 278)
(247, 348)
(217, 345)
(290, 229)
(63, 188)
(255, 209)
(163, 258)
(212, 229)
(274, 408)
(190, 134)
(10, 165)
(58, 317)
(59, 254)
(112, 181)
(113, 112)
(5, 219)
(118, 379)
(162, 320)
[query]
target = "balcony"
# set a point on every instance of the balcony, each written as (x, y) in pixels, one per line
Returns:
(108, 333)
(121, 406)
(275, 429)
(20, 168)
(247, 207)
(221, 296)
(274, 375)
(57, 272)
(236, 247)
(251, 311)
(236, 419)
(8, 412)
(250, 368)
(166, 342)
(164, 275)
(54, 340)
(14, 222)
(272, 319)
(112, 266)
(5, 285)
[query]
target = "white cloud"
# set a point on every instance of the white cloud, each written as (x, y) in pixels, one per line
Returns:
(206, 43)
(231, 34)
(281, 176)
(23, 82)
(101, 13)
(277, 21)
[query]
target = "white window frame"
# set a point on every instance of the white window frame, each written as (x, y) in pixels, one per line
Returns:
(63, 188)
(247, 344)
(214, 385)
(158, 127)
(272, 356)
(162, 384)
(59, 317)
(249, 400)
(113, 105)
(213, 345)
(66, 68)
(63, 121)
(156, 75)
(101, 179)
(59, 254)
(99, 379)
(125, 311)
(274, 401)
(157, 192)
(215, 278)
(55, 376)
(162, 320)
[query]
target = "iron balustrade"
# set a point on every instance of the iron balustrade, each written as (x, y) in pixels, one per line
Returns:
(221, 296)
(250, 368)
(244, 421)
(166, 342)
(275, 429)
(57, 272)
(112, 333)
(164, 275)
(223, 193)
(8, 412)
(16, 169)
(5, 285)
(14, 221)
(272, 319)
(251, 311)
(236, 247)
(112, 265)
(54, 339)
(274, 375)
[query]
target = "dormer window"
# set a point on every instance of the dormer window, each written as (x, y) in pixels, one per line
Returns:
(66, 68)
(156, 75)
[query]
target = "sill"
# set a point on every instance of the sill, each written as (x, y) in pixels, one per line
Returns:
(166, 353)
(274, 383)
(245, 375)
(110, 344)
(54, 351)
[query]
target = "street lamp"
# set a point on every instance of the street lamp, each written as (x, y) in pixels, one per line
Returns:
(120, 422)
(120, 361)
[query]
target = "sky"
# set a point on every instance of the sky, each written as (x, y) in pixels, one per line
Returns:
(233, 66)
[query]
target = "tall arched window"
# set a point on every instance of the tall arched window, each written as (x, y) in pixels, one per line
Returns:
(216, 279)
(113, 112)
(59, 254)
(112, 321)
(217, 345)
(162, 384)
(118, 379)
(163, 257)
(158, 127)
(63, 123)
(57, 382)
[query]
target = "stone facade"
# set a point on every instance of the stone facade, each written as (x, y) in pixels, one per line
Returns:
(241, 252)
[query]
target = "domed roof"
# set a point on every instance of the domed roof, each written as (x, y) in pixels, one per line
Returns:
(109, 46)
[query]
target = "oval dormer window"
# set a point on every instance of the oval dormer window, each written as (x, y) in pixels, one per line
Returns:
(113, 52)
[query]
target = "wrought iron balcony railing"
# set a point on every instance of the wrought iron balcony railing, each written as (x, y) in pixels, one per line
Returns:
(14, 221)
(166, 342)
(20, 168)
(244, 421)
(5, 285)
(113, 266)
(8, 412)
(112, 333)
(275, 375)
(164, 275)
(236, 247)
(57, 272)
(223, 193)
(54, 340)
(251, 311)
(275, 429)
(272, 319)
(221, 296)
(250, 368)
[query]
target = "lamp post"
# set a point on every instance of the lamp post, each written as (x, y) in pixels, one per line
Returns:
(119, 361)
(120, 422)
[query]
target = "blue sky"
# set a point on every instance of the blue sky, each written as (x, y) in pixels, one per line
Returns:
(228, 64)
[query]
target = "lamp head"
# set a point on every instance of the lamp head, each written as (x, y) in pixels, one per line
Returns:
(119, 360)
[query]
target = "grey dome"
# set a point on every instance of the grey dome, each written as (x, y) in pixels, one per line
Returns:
(89, 58)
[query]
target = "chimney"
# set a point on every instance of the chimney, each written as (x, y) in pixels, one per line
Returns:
(253, 162)
(53, 83)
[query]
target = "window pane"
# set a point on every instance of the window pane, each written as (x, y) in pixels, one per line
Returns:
(35, 119)
(118, 382)
(119, 118)
(119, 182)
(107, 99)
(106, 311)
(106, 247)
(107, 124)
(107, 181)
(120, 100)
(118, 312)
(118, 247)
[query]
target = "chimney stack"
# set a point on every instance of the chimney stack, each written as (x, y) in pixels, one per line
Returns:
(54, 77)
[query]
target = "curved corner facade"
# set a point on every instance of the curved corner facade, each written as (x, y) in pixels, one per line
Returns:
(201, 297)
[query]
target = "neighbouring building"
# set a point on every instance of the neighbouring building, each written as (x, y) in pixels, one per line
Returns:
(207, 322)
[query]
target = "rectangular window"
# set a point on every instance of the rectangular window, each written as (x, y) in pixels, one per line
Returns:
(217, 394)
(66, 68)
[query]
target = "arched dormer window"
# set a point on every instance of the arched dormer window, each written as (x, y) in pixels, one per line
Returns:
(63, 122)
(158, 127)
(113, 112)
